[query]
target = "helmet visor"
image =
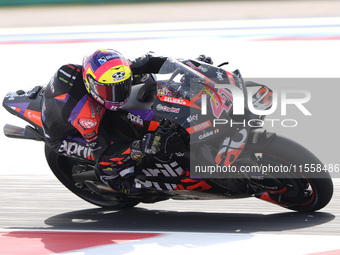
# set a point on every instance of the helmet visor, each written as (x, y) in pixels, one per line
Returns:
(114, 92)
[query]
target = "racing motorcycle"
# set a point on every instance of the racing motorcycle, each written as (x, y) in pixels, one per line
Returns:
(208, 151)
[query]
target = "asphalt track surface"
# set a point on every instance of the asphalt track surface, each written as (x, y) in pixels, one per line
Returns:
(31, 197)
(42, 203)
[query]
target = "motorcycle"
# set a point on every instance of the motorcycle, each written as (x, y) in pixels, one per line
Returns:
(201, 159)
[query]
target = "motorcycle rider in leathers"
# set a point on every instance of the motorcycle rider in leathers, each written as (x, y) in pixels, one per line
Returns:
(74, 105)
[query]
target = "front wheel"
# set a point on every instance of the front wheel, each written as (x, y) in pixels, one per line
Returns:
(304, 189)
(61, 167)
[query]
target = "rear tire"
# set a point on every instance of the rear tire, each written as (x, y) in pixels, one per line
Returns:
(307, 191)
(61, 167)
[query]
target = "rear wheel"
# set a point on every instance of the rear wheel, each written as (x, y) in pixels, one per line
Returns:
(307, 186)
(61, 167)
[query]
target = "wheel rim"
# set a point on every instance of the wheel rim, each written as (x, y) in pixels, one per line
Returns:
(65, 164)
(299, 190)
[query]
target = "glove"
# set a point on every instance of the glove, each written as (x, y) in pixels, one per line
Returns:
(150, 144)
(205, 59)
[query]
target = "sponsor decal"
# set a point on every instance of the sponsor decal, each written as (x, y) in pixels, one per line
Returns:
(191, 65)
(114, 108)
(207, 134)
(231, 79)
(75, 149)
(137, 119)
(169, 170)
(175, 100)
(231, 149)
(13, 95)
(219, 75)
(108, 57)
(201, 68)
(165, 108)
(33, 115)
(199, 127)
(102, 60)
(192, 118)
(119, 76)
(87, 123)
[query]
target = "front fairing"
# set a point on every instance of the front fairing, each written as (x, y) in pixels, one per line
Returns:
(180, 88)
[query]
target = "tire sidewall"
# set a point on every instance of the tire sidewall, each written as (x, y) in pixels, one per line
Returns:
(296, 155)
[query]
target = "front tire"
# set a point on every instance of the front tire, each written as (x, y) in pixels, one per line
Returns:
(306, 190)
(61, 167)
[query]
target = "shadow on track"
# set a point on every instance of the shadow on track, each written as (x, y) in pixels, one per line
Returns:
(138, 219)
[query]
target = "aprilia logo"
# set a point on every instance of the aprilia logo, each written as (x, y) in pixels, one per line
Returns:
(137, 119)
(75, 149)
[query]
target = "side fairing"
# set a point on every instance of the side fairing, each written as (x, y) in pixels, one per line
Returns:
(26, 105)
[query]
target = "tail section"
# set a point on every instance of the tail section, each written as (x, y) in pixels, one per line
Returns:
(26, 105)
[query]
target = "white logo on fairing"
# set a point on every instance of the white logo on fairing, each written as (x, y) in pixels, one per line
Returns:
(179, 154)
(71, 148)
(192, 118)
(175, 100)
(206, 135)
(219, 75)
(168, 170)
(135, 119)
(13, 95)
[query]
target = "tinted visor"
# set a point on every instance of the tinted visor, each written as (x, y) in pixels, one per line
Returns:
(114, 93)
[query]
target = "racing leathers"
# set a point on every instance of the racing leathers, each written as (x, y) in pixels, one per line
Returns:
(74, 123)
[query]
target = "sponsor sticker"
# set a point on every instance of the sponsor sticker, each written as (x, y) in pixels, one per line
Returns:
(175, 100)
(199, 127)
(118, 76)
(102, 60)
(165, 108)
(87, 123)
(136, 119)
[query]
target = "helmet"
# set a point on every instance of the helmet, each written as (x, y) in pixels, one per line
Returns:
(107, 77)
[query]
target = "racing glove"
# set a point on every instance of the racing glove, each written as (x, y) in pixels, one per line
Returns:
(149, 145)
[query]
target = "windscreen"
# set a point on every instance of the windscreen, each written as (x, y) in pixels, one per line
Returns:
(175, 79)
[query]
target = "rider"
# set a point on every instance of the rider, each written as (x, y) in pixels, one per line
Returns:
(75, 101)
